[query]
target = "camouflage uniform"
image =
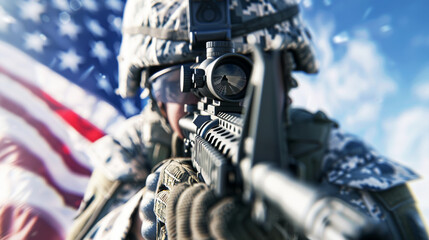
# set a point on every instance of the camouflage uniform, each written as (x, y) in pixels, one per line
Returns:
(122, 163)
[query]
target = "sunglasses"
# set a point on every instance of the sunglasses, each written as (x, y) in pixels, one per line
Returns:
(165, 86)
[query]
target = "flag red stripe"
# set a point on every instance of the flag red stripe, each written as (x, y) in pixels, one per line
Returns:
(54, 142)
(28, 222)
(83, 126)
(18, 155)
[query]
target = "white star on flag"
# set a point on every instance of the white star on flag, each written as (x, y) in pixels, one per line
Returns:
(91, 5)
(114, 5)
(115, 23)
(69, 28)
(35, 41)
(32, 10)
(5, 20)
(70, 60)
(95, 28)
(100, 51)
(61, 4)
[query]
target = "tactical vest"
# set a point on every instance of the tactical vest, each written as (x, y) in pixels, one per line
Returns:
(307, 140)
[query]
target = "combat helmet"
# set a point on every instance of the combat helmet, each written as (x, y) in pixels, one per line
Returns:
(155, 34)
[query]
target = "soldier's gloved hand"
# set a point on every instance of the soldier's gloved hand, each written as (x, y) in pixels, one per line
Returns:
(187, 209)
(146, 214)
(194, 212)
(158, 183)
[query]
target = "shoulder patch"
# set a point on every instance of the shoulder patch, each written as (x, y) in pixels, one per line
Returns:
(348, 161)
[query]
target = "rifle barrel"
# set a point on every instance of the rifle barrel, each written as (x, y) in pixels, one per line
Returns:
(319, 216)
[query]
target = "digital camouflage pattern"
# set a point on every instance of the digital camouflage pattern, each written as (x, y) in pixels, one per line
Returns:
(142, 50)
(117, 224)
(124, 155)
(122, 161)
(350, 162)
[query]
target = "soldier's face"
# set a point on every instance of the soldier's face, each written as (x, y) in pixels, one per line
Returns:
(171, 101)
(174, 112)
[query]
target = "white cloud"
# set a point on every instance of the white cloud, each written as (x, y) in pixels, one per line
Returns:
(421, 87)
(351, 87)
(422, 91)
(306, 3)
(342, 37)
(407, 141)
(407, 136)
(367, 112)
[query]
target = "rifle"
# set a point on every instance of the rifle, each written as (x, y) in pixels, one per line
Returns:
(243, 150)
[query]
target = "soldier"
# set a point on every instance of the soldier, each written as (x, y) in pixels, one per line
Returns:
(119, 202)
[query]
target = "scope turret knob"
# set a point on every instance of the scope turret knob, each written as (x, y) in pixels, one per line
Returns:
(220, 44)
(185, 78)
(216, 49)
(198, 78)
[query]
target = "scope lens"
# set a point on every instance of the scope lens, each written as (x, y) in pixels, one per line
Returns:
(229, 80)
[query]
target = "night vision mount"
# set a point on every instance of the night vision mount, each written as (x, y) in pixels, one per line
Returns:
(219, 76)
(208, 20)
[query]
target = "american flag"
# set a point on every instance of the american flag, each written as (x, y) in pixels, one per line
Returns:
(58, 74)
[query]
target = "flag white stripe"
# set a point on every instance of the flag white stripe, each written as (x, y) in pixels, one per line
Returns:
(14, 127)
(39, 110)
(33, 190)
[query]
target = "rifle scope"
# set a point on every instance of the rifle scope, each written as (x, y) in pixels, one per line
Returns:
(223, 75)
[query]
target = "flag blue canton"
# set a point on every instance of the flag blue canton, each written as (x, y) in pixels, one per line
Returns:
(78, 39)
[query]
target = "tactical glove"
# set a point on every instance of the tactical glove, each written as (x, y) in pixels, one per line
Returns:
(185, 208)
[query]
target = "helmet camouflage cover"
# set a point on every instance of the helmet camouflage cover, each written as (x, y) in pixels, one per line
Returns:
(142, 47)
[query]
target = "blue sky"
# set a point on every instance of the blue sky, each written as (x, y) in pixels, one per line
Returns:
(374, 76)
